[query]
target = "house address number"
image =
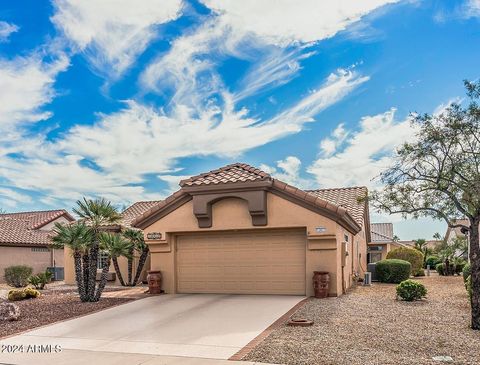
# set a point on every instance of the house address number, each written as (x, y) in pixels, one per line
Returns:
(154, 236)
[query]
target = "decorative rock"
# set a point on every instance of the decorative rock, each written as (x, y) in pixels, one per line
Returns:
(442, 358)
(9, 312)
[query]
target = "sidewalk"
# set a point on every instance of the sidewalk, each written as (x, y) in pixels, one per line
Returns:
(79, 357)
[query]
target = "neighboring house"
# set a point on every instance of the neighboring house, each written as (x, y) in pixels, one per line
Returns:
(382, 242)
(238, 230)
(25, 240)
(453, 233)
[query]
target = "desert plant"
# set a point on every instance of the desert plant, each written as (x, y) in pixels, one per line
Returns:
(139, 246)
(17, 276)
(40, 280)
(410, 290)
(432, 261)
(21, 294)
(393, 270)
(467, 271)
(413, 256)
(440, 269)
(420, 272)
(468, 286)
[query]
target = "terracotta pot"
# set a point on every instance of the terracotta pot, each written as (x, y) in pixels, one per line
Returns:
(154, 279)
(321, 284)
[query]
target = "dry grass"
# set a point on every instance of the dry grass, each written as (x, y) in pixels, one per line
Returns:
(368, 326)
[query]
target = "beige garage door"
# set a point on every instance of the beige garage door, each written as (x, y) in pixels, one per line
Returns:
(267, 262)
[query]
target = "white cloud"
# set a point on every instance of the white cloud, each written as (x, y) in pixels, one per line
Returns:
(330, 144)
(6, 29)
(26, 84)
(285, 22)
(113, 33)
(288, 171)
(364, 154)
(111, 157)
(471, 9)
(120, 142)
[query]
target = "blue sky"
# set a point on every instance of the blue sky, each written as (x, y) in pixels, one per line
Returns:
(122, 99)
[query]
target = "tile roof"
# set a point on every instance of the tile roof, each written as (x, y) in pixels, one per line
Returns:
(348, 198)
(135, 210)
(237, 172)
(24, 228)
(342, 201)
(381, 232)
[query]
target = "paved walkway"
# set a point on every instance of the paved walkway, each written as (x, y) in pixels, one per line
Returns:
(199, 325)
(78, 357)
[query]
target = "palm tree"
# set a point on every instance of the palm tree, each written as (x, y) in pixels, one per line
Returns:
(78, 238)
(98, 214)
(132, 235)
(422, 246)
(114, 246)
(135, 236)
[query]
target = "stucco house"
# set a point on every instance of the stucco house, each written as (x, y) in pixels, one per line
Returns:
(24, 239)
(238, 230)
(382, 242)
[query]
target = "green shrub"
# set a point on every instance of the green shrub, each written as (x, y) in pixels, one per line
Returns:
(21, 294)
(17, 276)
(411, 290)
(420, 272)
(459, 267)
(39, 281)
(413, 256)
(432, 261)
(466, 272)
(440, 268)
(393, 270)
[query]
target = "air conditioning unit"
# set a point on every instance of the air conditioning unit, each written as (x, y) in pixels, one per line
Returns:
(367, 280)
(372, 269)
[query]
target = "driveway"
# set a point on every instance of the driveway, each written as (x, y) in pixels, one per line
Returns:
(194, 325)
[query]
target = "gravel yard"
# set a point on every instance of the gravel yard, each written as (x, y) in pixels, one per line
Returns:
(53, 306)
(368, 326)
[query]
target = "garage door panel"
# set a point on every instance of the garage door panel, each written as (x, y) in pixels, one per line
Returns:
(269, 262)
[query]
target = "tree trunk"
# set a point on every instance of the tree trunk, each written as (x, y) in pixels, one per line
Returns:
(103, 281)
(86, 268)
(77, 258)
(130, 267)
(141, 263)
(117, 270)
(475, 263)
(92, 270)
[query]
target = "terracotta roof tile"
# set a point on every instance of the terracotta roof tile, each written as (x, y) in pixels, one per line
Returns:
(24, 228)
(381, 232)
(237, 172)
(137, 209)
(346, 198)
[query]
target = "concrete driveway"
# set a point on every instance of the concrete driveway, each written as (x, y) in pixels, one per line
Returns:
(195, 325)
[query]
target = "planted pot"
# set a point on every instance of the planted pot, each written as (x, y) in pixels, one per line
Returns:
(321, 284)
(154, 279)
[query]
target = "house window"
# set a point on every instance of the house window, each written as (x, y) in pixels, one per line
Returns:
(40, 249)
(102, 260)
(374, 257)
(375, 248)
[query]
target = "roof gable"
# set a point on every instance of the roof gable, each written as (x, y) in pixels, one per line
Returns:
(343, 204)
(237, 172)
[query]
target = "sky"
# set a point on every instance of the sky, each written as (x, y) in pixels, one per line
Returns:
(122, 99)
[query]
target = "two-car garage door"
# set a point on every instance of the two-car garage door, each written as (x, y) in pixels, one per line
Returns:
(260, 262)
